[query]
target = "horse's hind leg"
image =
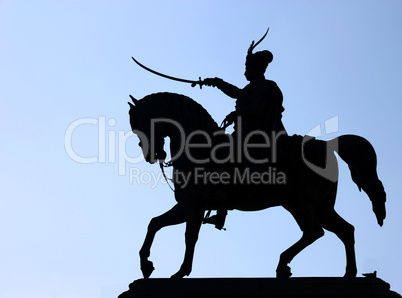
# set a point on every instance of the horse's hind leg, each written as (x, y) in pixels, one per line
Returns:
(172, 217)
(331, 221)
(312, 230)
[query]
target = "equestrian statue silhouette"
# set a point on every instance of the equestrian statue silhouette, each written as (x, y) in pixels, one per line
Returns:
(213, 170)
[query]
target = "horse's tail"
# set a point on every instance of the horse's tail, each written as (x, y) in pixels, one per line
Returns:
(361, 158)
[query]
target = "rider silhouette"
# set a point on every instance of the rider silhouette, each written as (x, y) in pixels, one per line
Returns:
(258, 107)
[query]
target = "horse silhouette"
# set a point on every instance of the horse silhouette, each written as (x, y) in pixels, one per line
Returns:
(308, 194)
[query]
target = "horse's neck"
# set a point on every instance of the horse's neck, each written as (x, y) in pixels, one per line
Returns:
(181, 126)
(187, 120)
(184, 123)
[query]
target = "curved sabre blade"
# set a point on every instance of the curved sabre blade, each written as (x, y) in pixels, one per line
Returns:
(193, 83)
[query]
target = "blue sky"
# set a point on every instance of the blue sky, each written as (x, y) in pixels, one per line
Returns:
(70, 229)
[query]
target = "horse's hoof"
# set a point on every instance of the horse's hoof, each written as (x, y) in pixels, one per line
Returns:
(179, 275)
(350, 274)
(283, 272)
(147, 267)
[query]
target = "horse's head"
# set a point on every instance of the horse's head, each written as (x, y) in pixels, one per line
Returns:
(176, 116)
(151, 135)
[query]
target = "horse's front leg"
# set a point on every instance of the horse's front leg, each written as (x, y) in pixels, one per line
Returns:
(193, 224)
(172, 217)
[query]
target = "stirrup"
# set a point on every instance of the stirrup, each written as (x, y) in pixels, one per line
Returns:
(218, 221)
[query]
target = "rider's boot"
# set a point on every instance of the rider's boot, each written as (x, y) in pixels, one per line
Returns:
(218, 220)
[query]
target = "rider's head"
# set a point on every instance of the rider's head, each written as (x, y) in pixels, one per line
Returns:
(256, 64)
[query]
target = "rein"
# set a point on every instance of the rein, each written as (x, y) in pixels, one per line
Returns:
(162, 165)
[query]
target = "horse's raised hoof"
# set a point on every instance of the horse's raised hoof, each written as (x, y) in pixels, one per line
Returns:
(147, 267)
(283, 272)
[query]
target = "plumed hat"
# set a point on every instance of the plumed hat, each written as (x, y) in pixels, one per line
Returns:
(258, 60)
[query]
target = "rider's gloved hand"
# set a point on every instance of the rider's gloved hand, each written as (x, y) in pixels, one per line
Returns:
(214, 82)
(229, 119)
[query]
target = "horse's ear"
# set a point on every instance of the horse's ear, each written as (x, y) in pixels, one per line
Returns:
(131, 105)
(135, 101)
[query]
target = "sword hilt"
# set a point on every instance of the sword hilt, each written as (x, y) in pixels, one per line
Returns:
(199, 82)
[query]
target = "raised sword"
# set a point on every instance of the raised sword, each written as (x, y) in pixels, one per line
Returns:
(193, 83)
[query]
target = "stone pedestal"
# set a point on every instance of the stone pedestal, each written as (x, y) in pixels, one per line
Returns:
(260, 287)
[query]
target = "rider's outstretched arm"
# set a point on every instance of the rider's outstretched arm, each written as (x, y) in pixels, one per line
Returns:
(229, 89)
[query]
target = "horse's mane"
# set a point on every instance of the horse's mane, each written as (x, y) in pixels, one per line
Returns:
(179, 107)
